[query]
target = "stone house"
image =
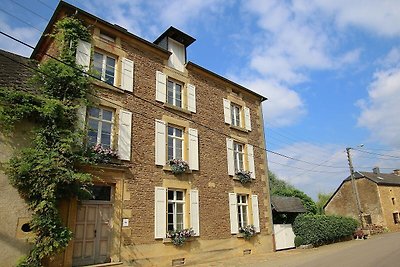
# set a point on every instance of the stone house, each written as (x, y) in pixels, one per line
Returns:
(379, 195)
(152, 105)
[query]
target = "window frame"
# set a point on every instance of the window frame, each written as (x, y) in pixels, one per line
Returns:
(236, 115)
(175, 138)
(174, 91)
(242, 209)
(100, 122)
(103, 72)
(175, 202)
(238, 156)
(396, 217)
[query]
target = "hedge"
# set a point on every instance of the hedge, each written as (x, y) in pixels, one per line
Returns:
(322, 229)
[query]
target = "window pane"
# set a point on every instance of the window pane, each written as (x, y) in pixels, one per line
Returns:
(107, 115)
(93, 125)
(170, 93)
(170, 130)
(170, 195)
(178, 132)
(109, 77)
(98, 64)
(106, 140)
(179, 195)
(179, 208)
(94, 112)
(92, 138)
(179, 219)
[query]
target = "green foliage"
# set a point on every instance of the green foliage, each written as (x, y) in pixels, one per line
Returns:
(322, 229)
(282, 188)
(322, 199)
(298, 241)
(45, 172)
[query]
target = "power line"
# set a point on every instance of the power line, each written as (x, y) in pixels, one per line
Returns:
(378, 154)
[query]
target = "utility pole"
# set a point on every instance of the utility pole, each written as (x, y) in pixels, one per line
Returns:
(353, 183)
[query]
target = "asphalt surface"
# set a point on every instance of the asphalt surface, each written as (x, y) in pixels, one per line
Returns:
(378, 251)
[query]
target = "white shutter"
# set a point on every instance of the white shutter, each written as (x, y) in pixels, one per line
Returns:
(83, 54)
(250, 161)
(127, 75)
(191, 93)
(124, 136)
(81, 114)
(194, 211)
(160, 212)
(160, 131)
(193, 149)
(161, 86)
(229, 155)
(247, 121)
(256, 215)
(233, 213)
(227, 111)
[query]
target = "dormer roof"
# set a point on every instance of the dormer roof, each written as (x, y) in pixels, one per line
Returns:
(177, 35)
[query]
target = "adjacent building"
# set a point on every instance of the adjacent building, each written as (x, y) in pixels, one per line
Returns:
(152, 105)
(379, 195)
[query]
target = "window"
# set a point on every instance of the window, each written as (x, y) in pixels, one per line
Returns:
(175, 143)
(242, 210)
(367, 219)
(235, 115)
(396, 218)
(104, 67)
(171, 206)
(177, 93)
(174, 92)
(100, 124)
(238, 155)
(176, 207)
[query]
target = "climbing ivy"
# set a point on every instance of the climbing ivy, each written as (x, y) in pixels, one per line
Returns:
(46, 172)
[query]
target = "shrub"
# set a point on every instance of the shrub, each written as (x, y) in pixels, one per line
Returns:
(298, 241)
(322, 229)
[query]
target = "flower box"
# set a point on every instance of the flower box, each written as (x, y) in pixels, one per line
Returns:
(243, 176)
(179, 237)
(247, 232)
(178, 166)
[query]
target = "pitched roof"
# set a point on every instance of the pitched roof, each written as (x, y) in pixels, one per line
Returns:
(380, 179)
(14, 72)
(287, 204)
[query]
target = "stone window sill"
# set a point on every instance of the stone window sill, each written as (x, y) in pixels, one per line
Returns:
(107, 86)
(167, 105)
(239, 128)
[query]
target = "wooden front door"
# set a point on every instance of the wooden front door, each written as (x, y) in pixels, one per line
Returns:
(92, 234)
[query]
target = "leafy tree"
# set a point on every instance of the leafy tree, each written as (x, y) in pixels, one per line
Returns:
(281, 188)
(322, 199)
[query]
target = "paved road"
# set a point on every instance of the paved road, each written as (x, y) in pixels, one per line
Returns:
(379, 251)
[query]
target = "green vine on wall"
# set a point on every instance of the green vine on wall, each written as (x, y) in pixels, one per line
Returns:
(46, 172)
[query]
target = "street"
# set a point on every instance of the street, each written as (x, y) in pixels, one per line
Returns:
(380, 250)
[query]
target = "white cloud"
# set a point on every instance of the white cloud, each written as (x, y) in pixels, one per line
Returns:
(379, 17)
(380, 112)
(314, 179)
(283, 107)
(25, 34)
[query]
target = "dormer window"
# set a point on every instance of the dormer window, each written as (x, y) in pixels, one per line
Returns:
(177, 59)
(107, 37)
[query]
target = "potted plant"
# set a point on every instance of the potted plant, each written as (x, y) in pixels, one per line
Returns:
(248, 232)
(244, 176)
(178, 166)
(179, 237)
(100, 154)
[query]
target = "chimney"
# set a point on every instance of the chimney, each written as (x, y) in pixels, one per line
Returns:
(376, 170)
(396, 172)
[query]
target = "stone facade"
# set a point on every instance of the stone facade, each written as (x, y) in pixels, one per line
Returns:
(134, 222)
(378, 201)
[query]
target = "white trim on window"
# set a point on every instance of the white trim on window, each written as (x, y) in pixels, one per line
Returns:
(161, 86)
(127, 74)
(194, 211)
(124, 136)
(233, 213)
(227, 111)
(160, 212)
(83, 54)
(256, 215)
(193, 149)
(160, 142)
(230, 158)
(250, 160)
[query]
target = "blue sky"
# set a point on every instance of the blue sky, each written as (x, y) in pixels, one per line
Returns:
(330, 68)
